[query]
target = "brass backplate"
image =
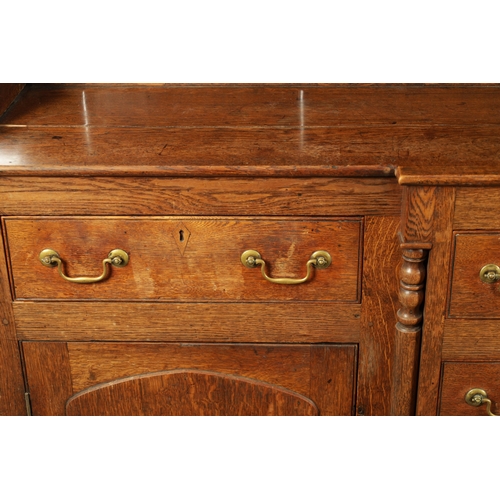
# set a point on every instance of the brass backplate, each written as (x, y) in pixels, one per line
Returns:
(248, 258)
(46, 257)
(323, 259)
(471, 399)
(119, 258)
(490, 273)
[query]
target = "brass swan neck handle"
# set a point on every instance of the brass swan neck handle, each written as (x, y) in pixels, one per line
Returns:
(117, 258)
(319, 259)
(476, 397)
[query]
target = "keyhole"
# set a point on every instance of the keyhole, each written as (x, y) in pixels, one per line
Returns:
(181, 235)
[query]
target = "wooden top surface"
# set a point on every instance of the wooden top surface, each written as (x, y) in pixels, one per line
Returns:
(421, 132)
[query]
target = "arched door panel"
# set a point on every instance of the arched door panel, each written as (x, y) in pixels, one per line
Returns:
(189, 393)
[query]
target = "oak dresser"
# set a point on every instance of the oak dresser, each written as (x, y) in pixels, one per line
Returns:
(250, 249)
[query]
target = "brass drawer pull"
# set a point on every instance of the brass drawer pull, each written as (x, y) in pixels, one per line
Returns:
(476, 397)
(490, 274)
(319, 260)
(117, 257)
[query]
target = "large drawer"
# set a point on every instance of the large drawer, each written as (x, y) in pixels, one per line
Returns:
(185, 259)
(470, 296)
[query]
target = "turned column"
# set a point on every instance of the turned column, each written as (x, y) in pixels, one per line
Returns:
(426, 234)
(411, 289)
(416, 235)
(412, 275)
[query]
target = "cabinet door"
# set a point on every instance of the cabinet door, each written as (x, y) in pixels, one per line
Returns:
(110, 378)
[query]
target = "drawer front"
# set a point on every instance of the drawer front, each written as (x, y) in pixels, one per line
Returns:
(190, 379)
(460, 378)
(470, 296)
(186, 259)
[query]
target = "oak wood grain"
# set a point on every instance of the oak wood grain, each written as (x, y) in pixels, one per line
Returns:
(471, 340)
(378, 315)
(417, 215)
(98, 362)
(412, 274)
(240, 151)
(475, 208)
(56, 371)
(324, 373)
(262, 152)
(48, 376)
(438, 275)
(185, 259)
(459, 378)
(469, 296)
(270, 105)
(223, 322)
(189, 393)
(8, 93)
(405, 372)
(12, 400)
(215, 196)
(449, 175)
(333, 376)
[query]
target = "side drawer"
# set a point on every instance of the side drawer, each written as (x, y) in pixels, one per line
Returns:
(185, 259)
(460, 378)
(470, 296)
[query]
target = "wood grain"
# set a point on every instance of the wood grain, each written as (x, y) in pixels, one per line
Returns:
(412, 273)
(378, 315)
(48, 376)
(324, 373)
(471, 340)
(285, 365)
(417, 215)
(270, 105)
(405, 372)
(224, 322)
(449, 175)
(8, 93)
(181, 259)
(240, 151)
(438, 275)
(470, 297)
(314, 153)
(333, 375)
(216, 196)
(12, 400)
(57, 370)
(475, 207)
(189, 393)
(459, 378)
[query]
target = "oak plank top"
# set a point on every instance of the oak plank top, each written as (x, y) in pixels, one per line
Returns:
(287, 130)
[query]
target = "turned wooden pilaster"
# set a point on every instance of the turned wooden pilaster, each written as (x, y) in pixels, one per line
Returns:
(412, 275)
(411, 290)
(416, 235)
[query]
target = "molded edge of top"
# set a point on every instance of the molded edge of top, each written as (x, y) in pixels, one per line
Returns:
(198, 171)
(448, 176)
